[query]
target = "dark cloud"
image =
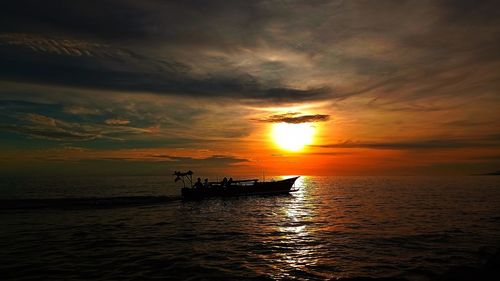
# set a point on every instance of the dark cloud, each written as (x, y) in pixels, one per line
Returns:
(470, 12)
(486, 158)
(44, 127)
(36, 59)
(41, 126)
(295, 118)
(253, 50)
(177, 162)
(489, 141)
(64, 47)
(467, 123)
(329, 153)
(53, 133)
(191, 21)
(214, 159)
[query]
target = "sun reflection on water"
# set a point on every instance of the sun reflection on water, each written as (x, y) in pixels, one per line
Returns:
(300, 248)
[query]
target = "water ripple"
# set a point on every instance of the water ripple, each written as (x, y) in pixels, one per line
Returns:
(337, 227)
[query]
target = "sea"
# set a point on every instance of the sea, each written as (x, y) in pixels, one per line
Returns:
(332, 228)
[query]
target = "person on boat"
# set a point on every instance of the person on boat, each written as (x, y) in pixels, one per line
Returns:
(198, 183)
(224, 182)
(230, 181)
(205, 183)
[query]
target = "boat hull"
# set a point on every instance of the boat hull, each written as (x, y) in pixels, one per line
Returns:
(258, 188)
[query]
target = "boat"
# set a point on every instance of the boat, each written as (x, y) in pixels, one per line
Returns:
(233, 188)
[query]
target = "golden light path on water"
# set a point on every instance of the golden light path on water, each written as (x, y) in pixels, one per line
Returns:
(296, 235)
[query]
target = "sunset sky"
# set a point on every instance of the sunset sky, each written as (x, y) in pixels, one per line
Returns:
(148, 87)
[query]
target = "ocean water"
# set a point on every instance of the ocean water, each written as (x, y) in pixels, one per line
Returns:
(333, 227)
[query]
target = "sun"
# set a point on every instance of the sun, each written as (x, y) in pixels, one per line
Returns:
(293, 137)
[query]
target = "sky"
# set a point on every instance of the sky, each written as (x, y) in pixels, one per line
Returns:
(148, 87)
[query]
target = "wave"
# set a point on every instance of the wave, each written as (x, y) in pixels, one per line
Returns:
(86, 202)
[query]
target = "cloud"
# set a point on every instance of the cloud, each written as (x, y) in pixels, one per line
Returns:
(65, 47)
(488, 141)
(254, 52)
(466, 123)
(214, 159)
(134, 155)
(216, 21)
(156, 122)
(36, 59)
(42, 120)
(295, 118)
(81, 110)
(44, 127)
(117, 122)
(51, 132)
(493, 157)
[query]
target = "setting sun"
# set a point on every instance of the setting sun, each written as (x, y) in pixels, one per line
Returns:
(293, 137)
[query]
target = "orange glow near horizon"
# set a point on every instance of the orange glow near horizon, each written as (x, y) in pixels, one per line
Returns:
(293, 137)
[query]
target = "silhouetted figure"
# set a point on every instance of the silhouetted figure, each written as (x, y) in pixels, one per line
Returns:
(205, 183)
(198, 183)
(224, 182)
(230, 181)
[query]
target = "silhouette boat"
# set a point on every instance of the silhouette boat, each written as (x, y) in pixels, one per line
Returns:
(233, 188)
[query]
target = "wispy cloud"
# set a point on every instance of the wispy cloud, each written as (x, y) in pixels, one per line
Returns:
(295, 118)
(44, 127)
(67, 47)
(117, 122)
(81, 110)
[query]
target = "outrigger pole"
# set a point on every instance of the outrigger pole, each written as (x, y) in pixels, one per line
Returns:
(181, 176)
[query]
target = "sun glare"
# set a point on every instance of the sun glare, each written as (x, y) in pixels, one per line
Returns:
(293, 137)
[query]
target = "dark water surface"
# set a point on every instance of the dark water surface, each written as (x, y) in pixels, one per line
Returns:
(411, 227)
